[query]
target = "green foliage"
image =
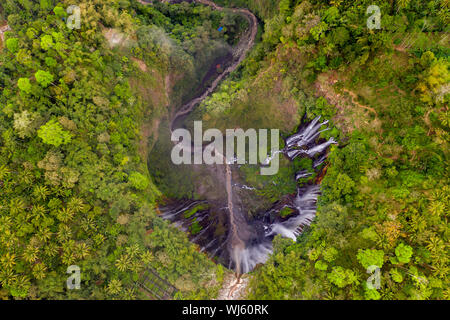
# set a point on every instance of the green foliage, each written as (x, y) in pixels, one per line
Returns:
(321, 265)
(12, 44)
(433, 79)
(386, 183)
(47, 42)
(195, 227)
(50, 62)
(330, 254)
(284, 7)
(286, 211)
(372, 294)
(371, 257)
(44, 78)
(341, 277)
(319, 30)
(45, 4)
(189, 213)
(331, 15)
(59, 11)
(53, 133)
(340, 36)
(24, 84)
(385, 192)
(403, 253)
(138, 181)
(396, 275)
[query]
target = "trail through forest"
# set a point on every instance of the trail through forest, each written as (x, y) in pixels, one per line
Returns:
(239, 52)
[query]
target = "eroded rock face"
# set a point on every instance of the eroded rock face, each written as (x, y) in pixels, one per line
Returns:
(228, 236)
(3, 29)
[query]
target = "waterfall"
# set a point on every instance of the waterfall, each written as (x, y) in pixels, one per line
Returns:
(243, 186)
(269, 158)
(302, 174)
(251, 242)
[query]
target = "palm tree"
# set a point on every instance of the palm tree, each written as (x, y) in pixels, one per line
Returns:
(76, 204)
(99, 239)
(436, 208)
(82, 250)
(51, 249)
(440, 269)
(9, 240)
(30, 254)
(87, 224)
(129, 294)
(44, 234)
(8, 260)
(7, 276)
(418, 222)
(147, 257)
(16, 206)
(444, 118)
(41, 192)
(123, 263)
(5, 221)
(137, 266)
(39, 271)
(64, 233)
(435, 245)
(27, 177)
(114, 286)
(65, 214)
(68, 256)
(39, 211)
(133, 250)
(23, 283)
(4, 171)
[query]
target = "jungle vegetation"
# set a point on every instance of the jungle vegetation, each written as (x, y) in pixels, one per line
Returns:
(80, 110)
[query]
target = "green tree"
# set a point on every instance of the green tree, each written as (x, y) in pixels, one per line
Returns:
(284, 6)
(12, 44)
(114, 286)
(403, 253)
(59, 12)
(51, 62)
(370, 257)
(372, 294)
(321, 265)
(396, 275)
(341, 277)
(24, 84)
(47, 42)
(44, 78)
(52, 133)
(138, 181)
(45, 4)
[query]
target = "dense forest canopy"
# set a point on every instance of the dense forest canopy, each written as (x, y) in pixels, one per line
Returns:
(81, 109)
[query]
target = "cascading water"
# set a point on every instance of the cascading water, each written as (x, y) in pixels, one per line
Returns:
(238, 242)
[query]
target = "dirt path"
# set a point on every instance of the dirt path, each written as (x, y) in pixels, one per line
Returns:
(354, 98)
(239, 52)
(346, 103)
